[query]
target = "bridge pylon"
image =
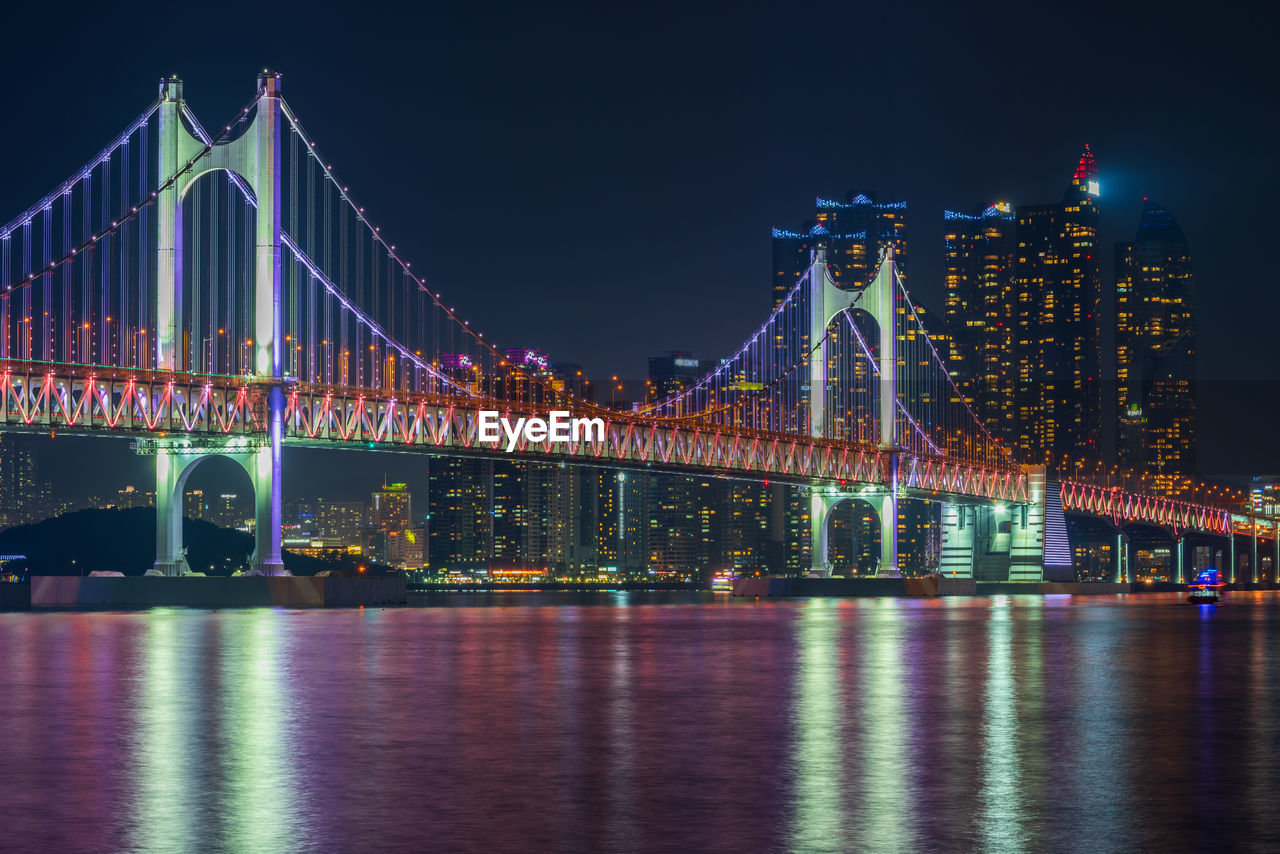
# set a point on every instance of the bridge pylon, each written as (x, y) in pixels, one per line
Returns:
(826, 302)
(254, 157)
(176, 459)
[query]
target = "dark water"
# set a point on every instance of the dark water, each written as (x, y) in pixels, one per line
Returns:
(1006, 724)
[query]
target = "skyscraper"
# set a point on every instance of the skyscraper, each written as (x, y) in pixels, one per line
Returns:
(855, 235)
(676, 371)
(23, 495)
(622, 529)
(979, 252)
(459, 522)
(1156, 352)
(682, 524)
(391, 507)
(1054, 350)
(340, 520)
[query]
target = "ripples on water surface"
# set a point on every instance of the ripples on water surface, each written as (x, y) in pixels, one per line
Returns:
(536, 722)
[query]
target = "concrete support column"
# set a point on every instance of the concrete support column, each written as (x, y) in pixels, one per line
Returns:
(266, 502)
(1117, 558)
(266, 282)
(819, 317)
(168, 300)
(820, 507)
(889, 535)
(1179, 571)
(266, 321)
(958, 524)
(1231, 554)
(1026, 529)
(169, 481)
(1254, 575)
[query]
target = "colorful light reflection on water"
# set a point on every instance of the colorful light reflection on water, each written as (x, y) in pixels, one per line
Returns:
(702, 723)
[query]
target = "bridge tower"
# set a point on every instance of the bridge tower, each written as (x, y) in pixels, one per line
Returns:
(825, 303)
(255, 158)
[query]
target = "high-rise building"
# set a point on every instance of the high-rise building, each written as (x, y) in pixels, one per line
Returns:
(391, 507)
(509, 482)
(196, 505)
(554, 497)
(979, 253)
(1156, 352)
(340, 520)
(229, 510)
(23, 494)
(622, 528)
(682, 524)
(854, 233)
(404, 548)
(390, 519)
(459, 522)
(747, 527)
(1054, 352)
(676, 371)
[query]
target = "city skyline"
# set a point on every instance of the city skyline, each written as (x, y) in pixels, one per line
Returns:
(670, 423)
(1064, 411)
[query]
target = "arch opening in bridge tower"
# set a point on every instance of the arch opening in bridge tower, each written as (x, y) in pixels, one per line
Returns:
(220, 491)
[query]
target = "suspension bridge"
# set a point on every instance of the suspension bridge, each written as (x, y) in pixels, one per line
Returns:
(221, 292)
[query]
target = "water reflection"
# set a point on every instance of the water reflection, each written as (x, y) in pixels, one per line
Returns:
(211, 735)
(822, 725)
(885, 780)
(260, 808)
(167, 797)
(1003, 813)
(819, 819)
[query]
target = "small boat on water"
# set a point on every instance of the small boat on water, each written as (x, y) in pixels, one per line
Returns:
(723, 581)
(1207, 588)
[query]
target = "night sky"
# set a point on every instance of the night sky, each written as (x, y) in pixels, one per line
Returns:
(599, 180)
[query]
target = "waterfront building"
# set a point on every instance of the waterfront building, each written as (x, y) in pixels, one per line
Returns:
(340, 520)
(1054, 355)
(978, 276)
(622, 520)
(682, 518)
(23, 493)
(459, 524)
(1156, 353)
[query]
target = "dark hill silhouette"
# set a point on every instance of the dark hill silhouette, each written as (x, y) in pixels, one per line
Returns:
(125, 541)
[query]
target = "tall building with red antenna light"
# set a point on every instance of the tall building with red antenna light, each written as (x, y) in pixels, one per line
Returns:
(1054, 354)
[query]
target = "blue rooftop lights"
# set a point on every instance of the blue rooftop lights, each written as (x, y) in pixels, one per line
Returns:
(817, 231)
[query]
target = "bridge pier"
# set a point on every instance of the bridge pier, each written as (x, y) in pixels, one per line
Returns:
(1027, 530)
(1254, 575)
(1117, 558)
(959, 523)
(254, 156)
(820, 507)
(821, 504)
(1231, 553)
(889, 535)
(177, 458)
